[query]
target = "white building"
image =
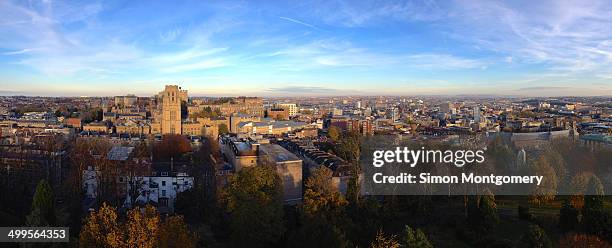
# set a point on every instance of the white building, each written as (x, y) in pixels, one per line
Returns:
(159, 191)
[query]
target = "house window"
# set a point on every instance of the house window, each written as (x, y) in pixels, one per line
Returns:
(163, 193)
(163, 183)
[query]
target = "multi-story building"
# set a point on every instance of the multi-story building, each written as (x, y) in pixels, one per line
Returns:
(278, 113)
(126, 101)
(243, 153)
(290, 107)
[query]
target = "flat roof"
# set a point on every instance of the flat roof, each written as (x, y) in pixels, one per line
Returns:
(278, 153)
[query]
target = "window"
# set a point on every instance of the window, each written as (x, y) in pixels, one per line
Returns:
(163, 193)
(163, 202)
(163, 183)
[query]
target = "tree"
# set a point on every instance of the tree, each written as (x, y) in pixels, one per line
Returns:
(101, 229)
(223, 129)
(415, 239)
(349, 147)
(548, 189)
(568, 216)
(534, 237)
(142, 227)
(254, 202)
(482, 213)
(173, 232)
(353, 189)
(333, 132)
(595, 218)
(383, 241)
(322, 213)
(321, 197)
(488, 212)
(172, 146)
(317, 233)
(43, 209)
(582, 240)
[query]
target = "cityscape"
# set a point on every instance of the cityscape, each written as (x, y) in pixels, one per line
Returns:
(291, 124)
(189, 156)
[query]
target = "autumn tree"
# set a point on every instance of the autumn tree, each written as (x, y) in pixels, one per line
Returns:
(321, 198)
(142, 227)
(254, 202)
(334, 132)
(43, 210)
(323, 215)
(383, 241)
(547, 190)
(102, 229)
(173, 233)
(574, 240)
(172, 146)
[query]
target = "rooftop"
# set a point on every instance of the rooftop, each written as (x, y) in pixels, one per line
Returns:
(120, 153)
(278, 153)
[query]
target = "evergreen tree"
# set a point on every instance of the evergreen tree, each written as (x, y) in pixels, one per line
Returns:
(568, 216)
(43, 210)
(353, 189)
(595, 218)
(488, 212)
(415, 239)
(482, 215)
(535, 237)
(254, 201)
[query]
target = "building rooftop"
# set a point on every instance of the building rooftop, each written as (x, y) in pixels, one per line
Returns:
(120, 153)
(278, 153)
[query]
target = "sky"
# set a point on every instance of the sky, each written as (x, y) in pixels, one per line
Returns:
(306, 48)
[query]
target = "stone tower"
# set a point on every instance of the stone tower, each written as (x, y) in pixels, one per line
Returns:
(171, 99)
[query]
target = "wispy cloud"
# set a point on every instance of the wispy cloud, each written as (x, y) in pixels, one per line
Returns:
(170, 35)
(390, 41)
(543, 88)
(22, 51)
(443, 61)
(199, 65)
(298, 22)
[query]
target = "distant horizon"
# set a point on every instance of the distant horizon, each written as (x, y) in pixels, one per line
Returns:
(197, 95)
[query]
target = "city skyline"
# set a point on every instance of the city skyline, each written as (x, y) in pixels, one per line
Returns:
(56, 48)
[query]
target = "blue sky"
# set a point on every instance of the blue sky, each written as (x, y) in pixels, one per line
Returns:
(286, 48)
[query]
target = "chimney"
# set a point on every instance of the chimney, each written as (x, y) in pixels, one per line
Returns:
(255, 147)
